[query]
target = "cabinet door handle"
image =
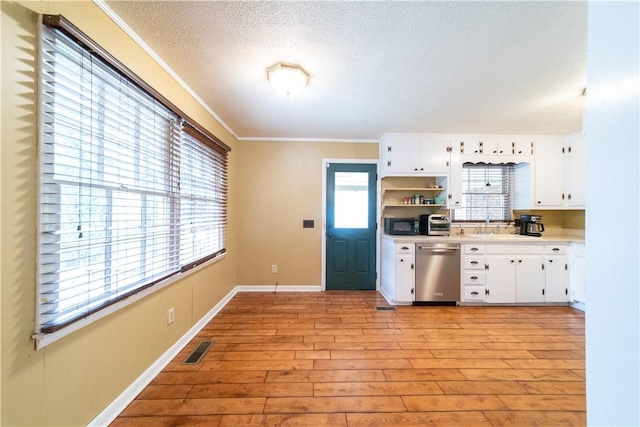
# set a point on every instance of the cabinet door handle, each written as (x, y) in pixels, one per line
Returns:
(412, 266)
(512, 261)
(550, 260)
(519, 261)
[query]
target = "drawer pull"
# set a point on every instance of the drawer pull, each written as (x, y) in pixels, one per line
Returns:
(474, 249)
(474, 293)
(405, 248)
(474, 277)
(474, 262)
(555, 249)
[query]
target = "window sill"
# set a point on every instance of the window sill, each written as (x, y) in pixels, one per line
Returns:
(43, 340)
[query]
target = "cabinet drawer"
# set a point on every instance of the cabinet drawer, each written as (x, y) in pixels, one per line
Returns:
(474, 293)
(405, 248)
(474, 278)
(474, 249)
(473, 262)
(515, 249)
(556, 249)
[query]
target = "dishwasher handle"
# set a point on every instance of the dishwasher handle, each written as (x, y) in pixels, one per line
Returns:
(438, 248)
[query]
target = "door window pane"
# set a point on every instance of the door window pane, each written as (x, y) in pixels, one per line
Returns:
(351, 200)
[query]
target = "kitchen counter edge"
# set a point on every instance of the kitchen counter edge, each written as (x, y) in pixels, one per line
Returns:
(471, 239)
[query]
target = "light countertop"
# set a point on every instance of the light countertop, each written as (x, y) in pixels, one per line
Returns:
(489, 238)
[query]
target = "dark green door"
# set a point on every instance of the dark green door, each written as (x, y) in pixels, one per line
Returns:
(351, 226)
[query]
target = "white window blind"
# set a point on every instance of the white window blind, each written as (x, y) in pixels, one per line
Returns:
(487, 193)
(128, 197)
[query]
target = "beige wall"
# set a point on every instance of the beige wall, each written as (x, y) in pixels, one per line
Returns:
(281, 184)
(72, 380)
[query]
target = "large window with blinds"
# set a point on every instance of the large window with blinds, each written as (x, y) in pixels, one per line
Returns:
(487, 193)
(131, 193)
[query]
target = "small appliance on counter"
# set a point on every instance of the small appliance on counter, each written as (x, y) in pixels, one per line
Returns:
(401, 226)
(435, 225)
(530, 225)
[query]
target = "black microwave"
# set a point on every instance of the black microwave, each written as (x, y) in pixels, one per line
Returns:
(401, 226)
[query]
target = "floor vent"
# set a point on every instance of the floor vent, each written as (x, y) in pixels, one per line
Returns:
(385, 308)
(196, 355)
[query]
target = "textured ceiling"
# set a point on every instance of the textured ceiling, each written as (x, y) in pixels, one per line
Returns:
(376, 67)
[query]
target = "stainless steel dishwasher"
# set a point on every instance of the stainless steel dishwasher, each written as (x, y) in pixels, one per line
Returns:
(437, 273)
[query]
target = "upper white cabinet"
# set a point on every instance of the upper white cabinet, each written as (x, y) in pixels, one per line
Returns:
(501, 147)
(454, 194)
(556, 177)
(548, 180)
(417, 155)
(575, 171)
(549, 170)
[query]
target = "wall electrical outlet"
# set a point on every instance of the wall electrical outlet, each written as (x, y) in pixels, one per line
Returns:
(171, 316)
(274, 268)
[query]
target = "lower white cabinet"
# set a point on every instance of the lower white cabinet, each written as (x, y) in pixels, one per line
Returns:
(515, 278)
(397, 271)
(516, 273)
(474, 279)
(557, 276)
(578, 286)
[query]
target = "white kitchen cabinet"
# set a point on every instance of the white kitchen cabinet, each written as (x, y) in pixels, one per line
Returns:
(530, 279)
(397, 271)
(409, 154)
(578, 269)
(556, 177)
(557, 273)
(471, 146)
(523, 147)
(501, 149)
(575, 171)
(474, 283)
(548, 171)
(515, 273)
(454, 185)
(501, 279)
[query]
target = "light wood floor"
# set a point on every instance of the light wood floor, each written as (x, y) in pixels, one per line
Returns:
(331, 359)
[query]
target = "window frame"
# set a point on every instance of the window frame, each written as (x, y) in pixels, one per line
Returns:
(45, 335)
(508, 181)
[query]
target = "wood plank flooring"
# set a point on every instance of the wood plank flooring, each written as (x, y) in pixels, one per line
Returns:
(331, 359)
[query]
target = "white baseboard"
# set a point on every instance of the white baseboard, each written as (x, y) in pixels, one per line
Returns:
(114, 409)
(279, 288)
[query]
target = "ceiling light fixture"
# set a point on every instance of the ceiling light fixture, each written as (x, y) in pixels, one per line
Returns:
(287, 79)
